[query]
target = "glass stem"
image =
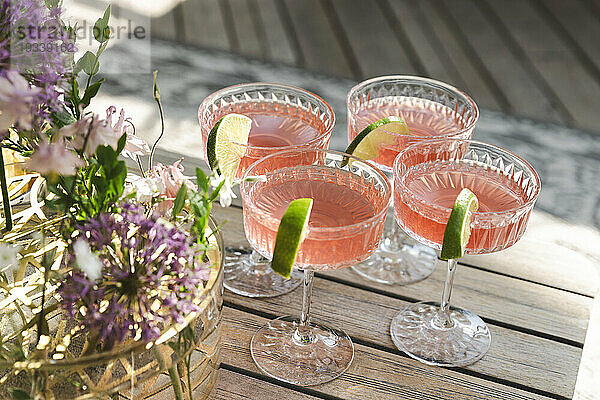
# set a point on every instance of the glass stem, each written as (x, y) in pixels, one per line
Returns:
(303, 334)
(445, 304)
(394, 240)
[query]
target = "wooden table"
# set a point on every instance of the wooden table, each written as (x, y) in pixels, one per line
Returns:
(536, 298)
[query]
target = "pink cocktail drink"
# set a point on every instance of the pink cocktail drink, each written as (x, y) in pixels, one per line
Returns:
(431, 110)
(426, 193)
(336, 237)
(428, 177)
(425, 119)
(283, 117)
(347, 217)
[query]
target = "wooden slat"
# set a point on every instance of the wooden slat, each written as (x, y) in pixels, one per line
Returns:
(372, 39)
(445, 33)
(163, 26)
(374, 374)
(416, 25)
(204, 24)
(579, 27)
(321, 50)
(279, 47)
(525, 97)
(552, 252)
(496, 297)
(246, 29)
(588, 378)
(553, 59)
(235, 386)
(543, 364)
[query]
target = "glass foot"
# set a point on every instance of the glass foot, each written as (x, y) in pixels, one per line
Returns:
(249, 274)
(408, 263)
(278, 353)
(418, 332)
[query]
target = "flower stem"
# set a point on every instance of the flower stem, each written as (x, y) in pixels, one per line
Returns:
(173, 374)
(5, 198)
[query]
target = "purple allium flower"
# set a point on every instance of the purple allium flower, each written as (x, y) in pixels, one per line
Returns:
(33, 41)
(151, 277)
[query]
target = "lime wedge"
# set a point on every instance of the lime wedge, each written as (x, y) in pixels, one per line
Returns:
(290, 234)
(224, 148)
(367, 143)
(458, 228)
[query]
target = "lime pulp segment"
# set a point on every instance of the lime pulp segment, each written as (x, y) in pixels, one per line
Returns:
(225, 145)
(367, 143)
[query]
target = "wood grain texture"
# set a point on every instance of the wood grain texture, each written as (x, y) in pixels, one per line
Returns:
(235, 386)
(321, 50)
(444, 31)
(374, 374)
(542, 364)
(588, 378)
(204, 24)
(246, 29)
(554, 60)
(526, 99)
(163, 26)
(495, 297)
(277, 39)
(371, 38)
(417, 27)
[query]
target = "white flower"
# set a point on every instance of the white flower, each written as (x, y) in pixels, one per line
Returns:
(54, 158)
(145, 189)
(134, 146)
(226, 194)
(8, 256)
(87, 261)
(16, 96)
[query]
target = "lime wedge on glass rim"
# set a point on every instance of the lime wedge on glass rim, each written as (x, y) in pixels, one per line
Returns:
(458, 228)
(225, 144)
(366, 144)
(290, 234)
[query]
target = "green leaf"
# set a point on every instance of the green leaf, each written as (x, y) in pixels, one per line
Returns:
(18, 394)
(101, 29)
(215, 192)
(90, 92)
(89, 63)
(62, 118)
(50, 4)
(180, 199)
(202, 180)
(121, 143)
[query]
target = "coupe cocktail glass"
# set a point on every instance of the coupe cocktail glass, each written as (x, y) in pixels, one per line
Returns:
(349, 208)
(283, 117)
(431, 109)
(428, 177)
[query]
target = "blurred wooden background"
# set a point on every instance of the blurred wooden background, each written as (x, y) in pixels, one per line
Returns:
(533, 58)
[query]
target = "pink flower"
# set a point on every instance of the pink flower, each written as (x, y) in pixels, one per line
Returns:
(134, 145)
(170, 178)
(100, 134)
(16, 96)
(54, 159)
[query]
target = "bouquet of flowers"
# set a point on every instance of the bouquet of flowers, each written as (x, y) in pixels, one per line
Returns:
(111, 264)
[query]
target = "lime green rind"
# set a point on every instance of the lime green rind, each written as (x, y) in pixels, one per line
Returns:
(211, 146)
(456, 234)
(290, 234)
(365, 132)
